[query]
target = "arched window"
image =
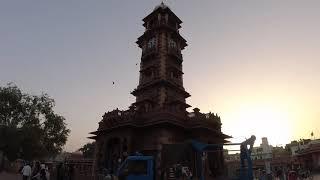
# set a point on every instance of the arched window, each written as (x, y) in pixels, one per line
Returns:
(172, 44)
(152, 43)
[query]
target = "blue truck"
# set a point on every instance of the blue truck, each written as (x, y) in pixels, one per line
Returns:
(137, 167)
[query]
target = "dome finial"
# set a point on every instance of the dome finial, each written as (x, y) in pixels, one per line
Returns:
(161, 5)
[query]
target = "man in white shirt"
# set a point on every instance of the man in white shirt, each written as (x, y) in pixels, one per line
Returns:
(26, 172)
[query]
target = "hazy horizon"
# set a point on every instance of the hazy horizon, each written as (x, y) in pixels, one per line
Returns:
(254, 63)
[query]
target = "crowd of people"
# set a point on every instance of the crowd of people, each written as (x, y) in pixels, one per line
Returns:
(41, 171)
(34, 171)
(284, 174)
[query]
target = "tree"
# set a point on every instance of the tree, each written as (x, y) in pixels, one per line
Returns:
(88, 150)
(29, 127)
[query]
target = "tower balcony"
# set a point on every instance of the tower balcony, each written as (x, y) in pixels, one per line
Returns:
(117, 119)
(163, 24)
(209, 120)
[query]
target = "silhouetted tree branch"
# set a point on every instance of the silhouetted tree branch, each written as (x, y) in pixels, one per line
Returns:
(29, 127)
(88, 150)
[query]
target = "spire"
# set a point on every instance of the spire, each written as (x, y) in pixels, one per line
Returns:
(161, 5)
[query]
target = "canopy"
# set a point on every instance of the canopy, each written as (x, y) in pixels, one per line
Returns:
(201, 147)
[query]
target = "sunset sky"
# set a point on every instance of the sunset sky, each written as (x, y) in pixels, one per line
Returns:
(255, 63)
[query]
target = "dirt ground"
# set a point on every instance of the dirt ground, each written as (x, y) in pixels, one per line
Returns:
(7, 176)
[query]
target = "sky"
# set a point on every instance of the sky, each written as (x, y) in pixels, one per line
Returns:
(255, 63)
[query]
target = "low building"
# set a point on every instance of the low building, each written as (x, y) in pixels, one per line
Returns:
(232, 157)
(264, 151)
(296, 146)
(304, 154)
(262, 156)
(309, 157)
(232, 162)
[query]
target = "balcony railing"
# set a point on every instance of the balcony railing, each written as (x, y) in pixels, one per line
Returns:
(118, 118)
(162, 24)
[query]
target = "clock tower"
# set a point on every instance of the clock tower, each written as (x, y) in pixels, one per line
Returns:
(161, 76)
(158, 117)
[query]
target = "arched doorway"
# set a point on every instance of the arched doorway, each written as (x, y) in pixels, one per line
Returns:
(113, 153)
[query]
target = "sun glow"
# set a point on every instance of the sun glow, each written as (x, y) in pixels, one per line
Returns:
(261, 120)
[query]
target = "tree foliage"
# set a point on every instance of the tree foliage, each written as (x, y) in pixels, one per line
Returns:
(88, 150)
(29, 127)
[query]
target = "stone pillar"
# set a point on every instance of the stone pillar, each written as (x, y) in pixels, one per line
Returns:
(99, 155)
(158, 165)
(159, 18)
(163, 65)
(167, 18)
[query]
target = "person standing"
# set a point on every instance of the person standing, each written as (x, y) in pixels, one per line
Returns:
(263, 175)
(47, 173)
(43, 172)
(26, 172)
(36, 171)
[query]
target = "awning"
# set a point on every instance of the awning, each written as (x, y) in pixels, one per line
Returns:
(201, 147)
